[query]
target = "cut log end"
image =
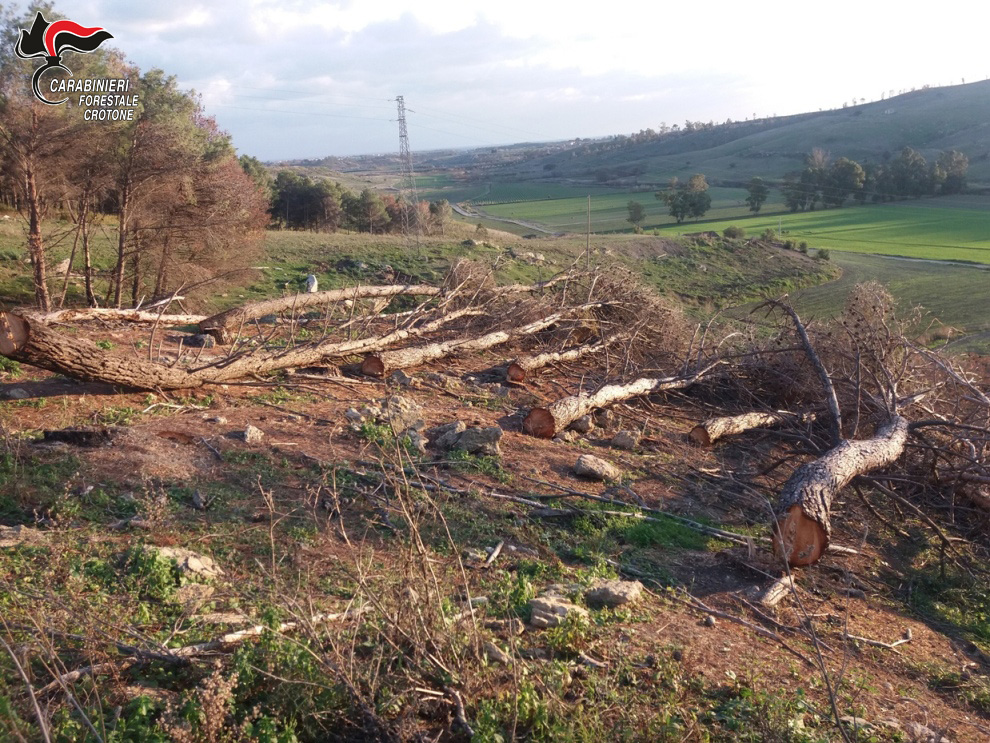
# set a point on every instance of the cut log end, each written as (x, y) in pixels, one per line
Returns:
(515, 373)
(699, 437)
(799, 538)
(373, 366)
(13, 333)
(540, 423)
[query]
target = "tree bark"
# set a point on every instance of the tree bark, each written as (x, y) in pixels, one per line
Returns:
(707, 433)
(517, 370)
(87, 257)
(27, 339)
(803, 523)
(547, 422)
(225, 324)
(136, 316)
(36, 245)
(377, 365)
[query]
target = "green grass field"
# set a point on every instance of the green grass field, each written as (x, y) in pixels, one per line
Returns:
(442, 187)
(912, 229)
(609, 212)
(955, 229)
(957, 296)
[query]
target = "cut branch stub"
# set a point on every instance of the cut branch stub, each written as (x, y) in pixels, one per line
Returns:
(372, 366)
(545, 423)
(803, 525)
(515, 373)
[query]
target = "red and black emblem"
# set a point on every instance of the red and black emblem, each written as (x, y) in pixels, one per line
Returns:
(50, 40)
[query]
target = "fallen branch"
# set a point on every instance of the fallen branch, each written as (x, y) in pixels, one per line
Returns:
(378, 365)
(878, 643)
(182, 655)
(517, 370)
(762, 631)
(803, 523)
(775, 592)
(831, 399)
(707, 433)
(100, 313)
(222, 326)
(545, 423)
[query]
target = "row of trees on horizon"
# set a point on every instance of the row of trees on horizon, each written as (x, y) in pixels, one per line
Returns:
(299, 202)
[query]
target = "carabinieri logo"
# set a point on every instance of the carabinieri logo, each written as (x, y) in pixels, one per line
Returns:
(50, 40)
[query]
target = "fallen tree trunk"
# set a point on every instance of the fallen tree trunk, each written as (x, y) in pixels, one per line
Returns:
(379, 364)
(711, 430)
(223, 325)
(803, 524)
(545, 423)
(135, 316)
(36, 343)
(517, 370)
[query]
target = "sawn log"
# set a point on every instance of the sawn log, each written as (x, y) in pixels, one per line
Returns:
(803, 525)
(545, 423)
(517, 370)
(708, 432)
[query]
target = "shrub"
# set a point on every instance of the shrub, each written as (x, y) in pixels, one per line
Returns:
(769, 234)
(803, 247)
(824, 254)
(788, 245)
(735, 233)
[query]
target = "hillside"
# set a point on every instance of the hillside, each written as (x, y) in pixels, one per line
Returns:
(314, 554)
(928, 120)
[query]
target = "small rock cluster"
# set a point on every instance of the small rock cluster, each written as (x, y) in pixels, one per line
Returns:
(553, 606)
(405, 416)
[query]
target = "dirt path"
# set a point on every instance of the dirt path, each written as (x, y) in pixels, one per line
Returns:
(475, 213)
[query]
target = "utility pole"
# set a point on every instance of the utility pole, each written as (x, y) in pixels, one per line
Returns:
(587, 248)
(407, 171)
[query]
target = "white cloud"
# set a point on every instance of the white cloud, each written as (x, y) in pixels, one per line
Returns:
(290, 78)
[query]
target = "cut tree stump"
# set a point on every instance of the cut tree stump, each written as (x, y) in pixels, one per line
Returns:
(545, 423)
(803, 524)
(708, 432)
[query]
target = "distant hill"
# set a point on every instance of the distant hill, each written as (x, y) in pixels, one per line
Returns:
(929, 120)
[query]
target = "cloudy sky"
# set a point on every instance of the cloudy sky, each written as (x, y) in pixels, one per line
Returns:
(296, 79)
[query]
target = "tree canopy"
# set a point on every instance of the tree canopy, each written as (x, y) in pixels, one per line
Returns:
(687, 201)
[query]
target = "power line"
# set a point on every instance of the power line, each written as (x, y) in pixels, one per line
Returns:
(406, 157)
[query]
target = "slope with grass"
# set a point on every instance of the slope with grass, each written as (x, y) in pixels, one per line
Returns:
(928, 120)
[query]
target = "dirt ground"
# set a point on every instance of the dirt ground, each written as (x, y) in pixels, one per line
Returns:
(185, 442)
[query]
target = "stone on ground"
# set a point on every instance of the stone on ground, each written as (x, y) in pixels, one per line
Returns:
(613, 593)
(594, 468)
(478, 440)
(550, 611)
